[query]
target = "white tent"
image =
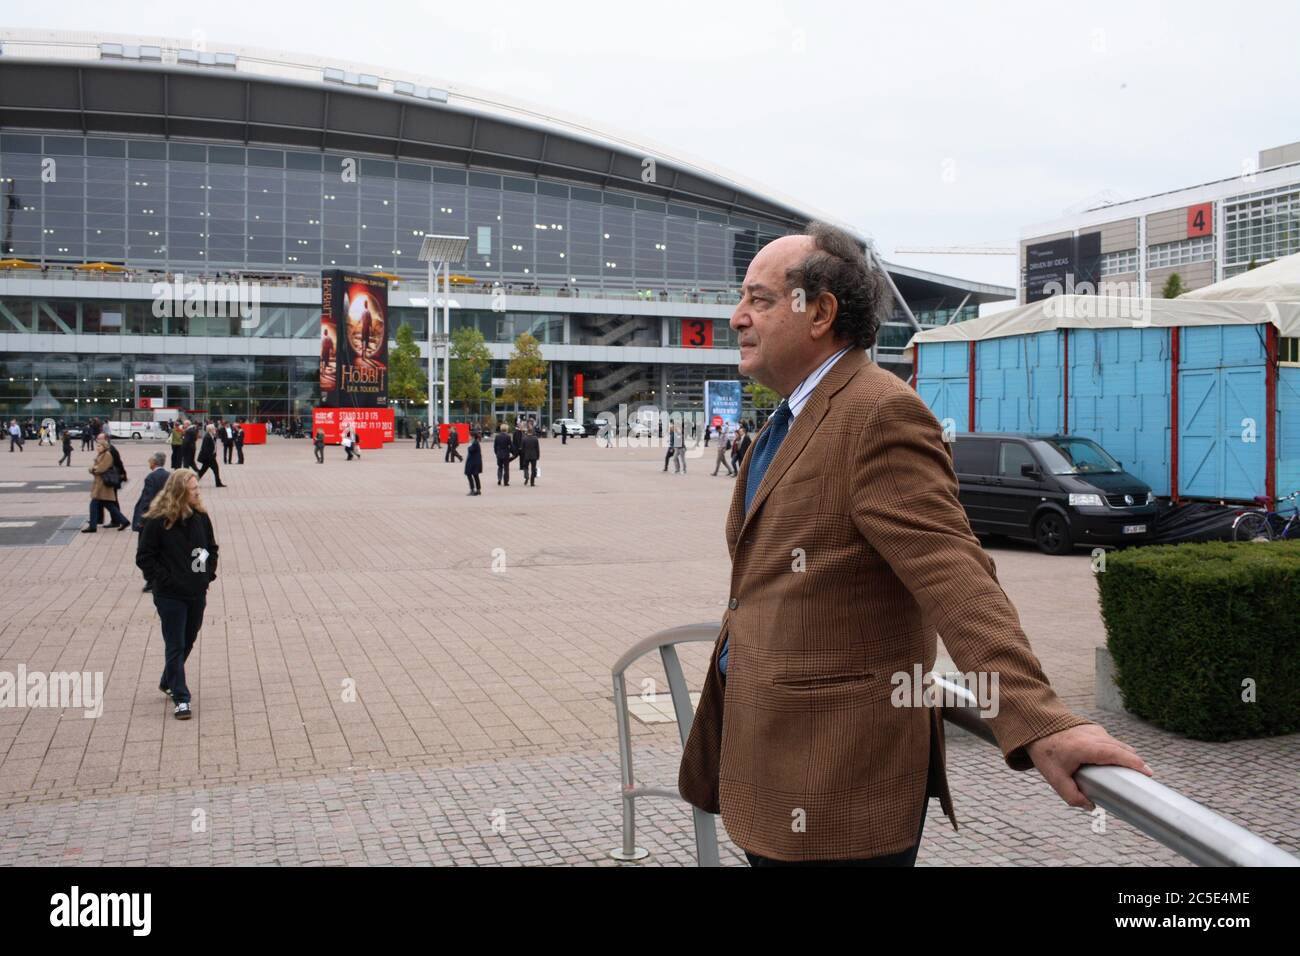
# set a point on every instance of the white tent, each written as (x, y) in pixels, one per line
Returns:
(1279, 281)
(1107, 312)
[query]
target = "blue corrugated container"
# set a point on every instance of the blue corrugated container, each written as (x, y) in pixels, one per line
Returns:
(1116, 385)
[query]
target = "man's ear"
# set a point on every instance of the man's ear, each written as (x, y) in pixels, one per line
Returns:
(821, 319)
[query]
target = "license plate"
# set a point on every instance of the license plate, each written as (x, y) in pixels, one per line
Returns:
(1135, 529)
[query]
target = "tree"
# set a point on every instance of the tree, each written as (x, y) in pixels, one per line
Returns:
(1173, 286)
(1252, 265)
(470, 358)
(407, 381)
(763, 397)
(526, 374)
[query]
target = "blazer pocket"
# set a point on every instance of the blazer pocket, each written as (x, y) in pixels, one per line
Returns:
(871, 687)
(796, 497)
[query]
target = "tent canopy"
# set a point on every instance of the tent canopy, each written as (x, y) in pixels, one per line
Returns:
(1106, 312)
(1279, 281)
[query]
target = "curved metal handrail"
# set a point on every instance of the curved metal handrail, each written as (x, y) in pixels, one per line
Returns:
(1178, 822)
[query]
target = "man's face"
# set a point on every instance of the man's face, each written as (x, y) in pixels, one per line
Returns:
(774, 338)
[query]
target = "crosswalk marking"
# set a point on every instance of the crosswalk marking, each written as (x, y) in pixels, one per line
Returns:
(17, 524)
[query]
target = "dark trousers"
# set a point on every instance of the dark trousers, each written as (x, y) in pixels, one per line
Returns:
(188, 455)
(15, 441)
(348, 449)
(669, 457)
(452, 454)
(226, 451)
(210, 466)
(503, 471)
(239, 450)
(474, 484)
(97, 512)
(530, 472)
(903, 858)
(320, 454)
(67, 456)
(176, 456)
(181, 620)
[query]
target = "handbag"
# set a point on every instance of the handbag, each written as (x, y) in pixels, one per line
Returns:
(111, 478)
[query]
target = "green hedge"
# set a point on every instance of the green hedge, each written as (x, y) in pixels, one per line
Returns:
(1187, 623)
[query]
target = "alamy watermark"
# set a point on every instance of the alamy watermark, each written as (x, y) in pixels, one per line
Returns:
(73, 690)
(1098, 300)
(221, 300)
(919, 689)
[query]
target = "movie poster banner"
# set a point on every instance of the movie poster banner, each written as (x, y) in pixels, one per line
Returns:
(378, 422)
(722, 401)
(354, 340)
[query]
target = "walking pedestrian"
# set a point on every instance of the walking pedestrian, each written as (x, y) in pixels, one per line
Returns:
(739, 445)
(319, 444)
(501, 447)
(227, 438)
(207, 457)
(434, 430)
(239, 442)
(531, 453)
(473, 466)
(517, 439)
(349, 443)
(153, 483)
(177, 554)
(176, 439)
(680, 450)
(110, 475)
(672, 448)
(67, 449)
(15, 436)
(453, 440)
(189, 442)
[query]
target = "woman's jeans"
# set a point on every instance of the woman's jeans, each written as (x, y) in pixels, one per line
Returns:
(181, 619)
(97, 513)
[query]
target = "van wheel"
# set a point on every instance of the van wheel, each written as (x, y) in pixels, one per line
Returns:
(135, 436)
(1052, 534)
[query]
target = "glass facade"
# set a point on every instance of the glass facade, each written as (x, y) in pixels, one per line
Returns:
(178, 206)
(1260, 227)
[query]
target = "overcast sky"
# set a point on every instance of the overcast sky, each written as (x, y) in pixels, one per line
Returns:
(938, 124)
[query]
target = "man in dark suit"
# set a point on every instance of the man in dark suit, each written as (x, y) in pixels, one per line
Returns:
(227, 438)
(824, 759)
(502, 449)
(531, 453)
(239, 442)
(739, 445)
(517, 439)
(153, 483)
(207, 456)
(453, 440)
(189, 440)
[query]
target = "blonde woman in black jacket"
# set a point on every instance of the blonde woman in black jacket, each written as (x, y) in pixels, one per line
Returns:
(178, 555)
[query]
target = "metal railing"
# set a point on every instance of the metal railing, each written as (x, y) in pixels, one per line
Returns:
(1185, 826)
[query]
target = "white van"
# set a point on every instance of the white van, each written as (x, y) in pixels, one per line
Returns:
(138, 430)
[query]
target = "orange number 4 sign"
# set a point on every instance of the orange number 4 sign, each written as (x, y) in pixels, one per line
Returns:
(697, 333)
(1200, 220)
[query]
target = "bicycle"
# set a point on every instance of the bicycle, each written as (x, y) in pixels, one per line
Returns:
(1266, 525)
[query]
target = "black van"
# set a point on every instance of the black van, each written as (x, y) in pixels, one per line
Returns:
(1058, 490)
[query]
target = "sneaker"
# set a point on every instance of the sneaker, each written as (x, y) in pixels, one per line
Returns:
(182, 712)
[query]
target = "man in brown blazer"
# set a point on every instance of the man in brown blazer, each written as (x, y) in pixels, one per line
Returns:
(849, 551)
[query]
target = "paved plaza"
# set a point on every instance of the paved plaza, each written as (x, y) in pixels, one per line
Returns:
(393, 672)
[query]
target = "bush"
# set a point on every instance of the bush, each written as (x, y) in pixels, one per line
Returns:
(1186, 624)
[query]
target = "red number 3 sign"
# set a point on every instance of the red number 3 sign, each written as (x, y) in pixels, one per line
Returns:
(697, 333)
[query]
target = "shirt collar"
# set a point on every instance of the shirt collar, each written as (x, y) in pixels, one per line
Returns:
(799, 397)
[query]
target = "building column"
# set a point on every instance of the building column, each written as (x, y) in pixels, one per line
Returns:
(564, 389)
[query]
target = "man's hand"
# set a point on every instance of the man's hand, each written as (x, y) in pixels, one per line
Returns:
(1057, 757)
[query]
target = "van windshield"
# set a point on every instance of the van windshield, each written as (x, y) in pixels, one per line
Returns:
(1076, 456)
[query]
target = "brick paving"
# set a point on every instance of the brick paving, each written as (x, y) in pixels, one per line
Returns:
(477, 635)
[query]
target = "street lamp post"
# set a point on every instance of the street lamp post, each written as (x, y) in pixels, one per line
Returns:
(440, 252)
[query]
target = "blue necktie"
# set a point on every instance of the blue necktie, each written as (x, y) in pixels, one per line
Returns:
(768, 444)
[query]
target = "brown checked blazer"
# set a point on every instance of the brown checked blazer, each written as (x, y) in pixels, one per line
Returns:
(853, 555)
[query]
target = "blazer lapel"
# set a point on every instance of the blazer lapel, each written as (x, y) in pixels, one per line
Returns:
(805, 425)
